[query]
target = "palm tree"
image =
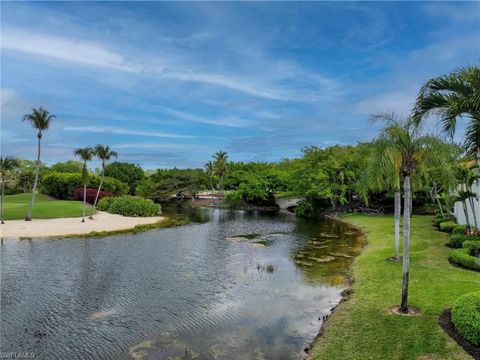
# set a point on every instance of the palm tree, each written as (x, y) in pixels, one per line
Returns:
(86, 154)
(210, 170)
(450, 97)
(408, 149)
(6, 165)
(103, 153)
(383, 173)
(220, 165)
(40, 119)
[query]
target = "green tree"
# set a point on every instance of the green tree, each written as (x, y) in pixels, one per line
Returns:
(70, 166)
(383, 173)
(220, 165)
(408, 148)
(103, 153)
(130, 174)
(40, 119)
(86, 154)
(7, 165)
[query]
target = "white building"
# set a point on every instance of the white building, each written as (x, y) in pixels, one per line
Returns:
(459, 212)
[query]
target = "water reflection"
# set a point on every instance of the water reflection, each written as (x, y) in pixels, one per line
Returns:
(232, 284)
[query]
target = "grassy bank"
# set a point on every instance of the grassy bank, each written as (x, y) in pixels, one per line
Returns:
(15, 207)
(362, 327)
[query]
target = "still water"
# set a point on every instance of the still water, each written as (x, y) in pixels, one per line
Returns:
(230, 285)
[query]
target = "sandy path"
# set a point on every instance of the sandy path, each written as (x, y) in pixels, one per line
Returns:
(103, 221)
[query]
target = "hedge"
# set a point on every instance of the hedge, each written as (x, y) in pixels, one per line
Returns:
(473, 246)
(438, 219)
(129, 206)
(448, 226)
(456, 240)
(63, 185)
(466, 317)
(463, 257)
(459, 229)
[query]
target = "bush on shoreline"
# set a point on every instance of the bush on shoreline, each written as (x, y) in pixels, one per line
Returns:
(129, 206)
(63, 185)
(466, 317)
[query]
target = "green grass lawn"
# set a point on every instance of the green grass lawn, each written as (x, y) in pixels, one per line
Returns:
(16, 206)
(362, 327)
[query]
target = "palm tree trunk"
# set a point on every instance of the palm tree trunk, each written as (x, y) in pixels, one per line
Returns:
(37, 171)
(98, 193)
(1, 202)
(406, 242)
(465, 212)
(84, 200)
(397, 211)
(474, 213)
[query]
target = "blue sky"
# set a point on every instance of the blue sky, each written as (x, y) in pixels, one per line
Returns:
(168, 84)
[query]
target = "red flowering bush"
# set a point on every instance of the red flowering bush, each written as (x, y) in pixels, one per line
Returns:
(91, 193)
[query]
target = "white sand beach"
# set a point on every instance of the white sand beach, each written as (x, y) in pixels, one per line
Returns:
(103, 221)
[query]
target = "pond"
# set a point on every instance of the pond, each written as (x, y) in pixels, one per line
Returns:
(231, 284)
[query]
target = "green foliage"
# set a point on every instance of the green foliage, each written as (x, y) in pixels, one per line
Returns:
(456, 240)
(129, 206)
(437, 220)
(459, 229)
(466, 317)
(257, 188)
(71, 166)
(311, 207)
(128, 173)
(165, 183)
(463, 257)
(105, 203)
(448, 226)
(473, 246)
(63, 185)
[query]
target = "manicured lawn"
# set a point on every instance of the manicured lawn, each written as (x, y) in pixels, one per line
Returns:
(16, 206)
(362, 327)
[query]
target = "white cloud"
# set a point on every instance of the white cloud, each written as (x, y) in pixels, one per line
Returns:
(121, 131)
(64, 49)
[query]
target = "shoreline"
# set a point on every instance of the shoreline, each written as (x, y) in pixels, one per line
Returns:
(345, 294)
(103, 224)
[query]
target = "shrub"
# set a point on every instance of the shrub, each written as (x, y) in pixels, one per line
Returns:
(63, 185)
(463, 257)
(466, 317)
(129, 206)
(459, 229)
(104, 204)
(456, 240)
(91, 194)
(473, 247)
(438, 219)
(447, 226)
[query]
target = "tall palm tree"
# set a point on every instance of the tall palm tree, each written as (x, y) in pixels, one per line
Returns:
(220, 165)
(86, 154)
(103, 153)
(6, 165)
(408, 148)
(210, 170)
(40, 119)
